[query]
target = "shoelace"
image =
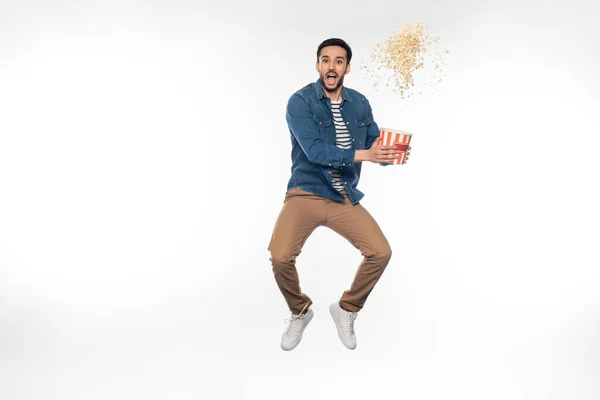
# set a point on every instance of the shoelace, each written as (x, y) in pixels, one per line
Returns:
(294, 325)
(350, 317)
(294, 322)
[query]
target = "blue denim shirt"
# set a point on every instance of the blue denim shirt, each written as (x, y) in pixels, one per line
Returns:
(314, 150)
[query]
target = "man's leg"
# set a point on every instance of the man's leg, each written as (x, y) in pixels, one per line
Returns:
(301, 214)
(360, 228)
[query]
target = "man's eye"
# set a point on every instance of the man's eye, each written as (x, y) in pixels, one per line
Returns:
(339, 61)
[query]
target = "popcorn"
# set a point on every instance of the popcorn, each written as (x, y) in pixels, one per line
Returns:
(402, 55)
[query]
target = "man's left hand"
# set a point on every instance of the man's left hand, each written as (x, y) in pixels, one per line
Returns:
(406, 157)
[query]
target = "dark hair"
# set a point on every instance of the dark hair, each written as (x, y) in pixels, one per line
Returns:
(335, 42)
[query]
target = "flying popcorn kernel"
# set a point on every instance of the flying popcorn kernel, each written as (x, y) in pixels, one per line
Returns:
(407, 53)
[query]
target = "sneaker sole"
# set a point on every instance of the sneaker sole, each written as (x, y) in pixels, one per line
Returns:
(337, 326)
(309, 318)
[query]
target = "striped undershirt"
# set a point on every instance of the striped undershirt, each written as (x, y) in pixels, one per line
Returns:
(343, 140)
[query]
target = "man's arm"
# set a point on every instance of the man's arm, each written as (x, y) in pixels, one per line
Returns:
(362, 155)
(305, 129)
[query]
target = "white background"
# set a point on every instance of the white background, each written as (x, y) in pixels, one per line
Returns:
(144, 157)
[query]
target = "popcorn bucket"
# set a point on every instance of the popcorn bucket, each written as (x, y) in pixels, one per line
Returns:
(398, 138)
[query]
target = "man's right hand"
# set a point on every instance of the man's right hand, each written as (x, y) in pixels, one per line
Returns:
(379, 153)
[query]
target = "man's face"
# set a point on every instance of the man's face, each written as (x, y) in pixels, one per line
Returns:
(332, 66)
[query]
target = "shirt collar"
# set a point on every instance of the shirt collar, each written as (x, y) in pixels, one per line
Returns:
(321, 92)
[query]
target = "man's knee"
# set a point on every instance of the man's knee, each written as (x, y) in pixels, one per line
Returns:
(382, 253)
(386, 253)
(281, 259)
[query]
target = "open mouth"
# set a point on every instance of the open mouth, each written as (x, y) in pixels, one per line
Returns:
(331, 78)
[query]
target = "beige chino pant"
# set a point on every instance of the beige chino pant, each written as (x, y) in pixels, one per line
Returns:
(301, 214)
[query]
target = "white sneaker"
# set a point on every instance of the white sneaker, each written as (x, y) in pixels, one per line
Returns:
(293, 333)
(344, 322)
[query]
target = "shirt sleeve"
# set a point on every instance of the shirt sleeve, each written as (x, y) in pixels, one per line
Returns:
(305, 129)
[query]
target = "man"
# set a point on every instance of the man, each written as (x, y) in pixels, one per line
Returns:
(332, 132)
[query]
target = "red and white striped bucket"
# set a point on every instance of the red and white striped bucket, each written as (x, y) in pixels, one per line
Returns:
(398, 138)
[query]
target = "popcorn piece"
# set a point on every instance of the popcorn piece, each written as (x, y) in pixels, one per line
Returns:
(401, 55)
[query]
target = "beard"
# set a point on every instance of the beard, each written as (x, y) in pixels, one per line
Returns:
(340, 82)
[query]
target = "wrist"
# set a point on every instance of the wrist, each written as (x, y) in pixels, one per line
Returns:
(362, 155)
(368, 155)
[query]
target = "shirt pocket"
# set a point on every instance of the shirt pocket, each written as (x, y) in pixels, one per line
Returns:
(325, 125)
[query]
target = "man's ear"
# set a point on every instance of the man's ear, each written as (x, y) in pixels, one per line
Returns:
(317, 66)
(348, 68)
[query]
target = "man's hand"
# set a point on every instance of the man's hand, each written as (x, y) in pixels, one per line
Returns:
(379, 153)
(406, 156)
